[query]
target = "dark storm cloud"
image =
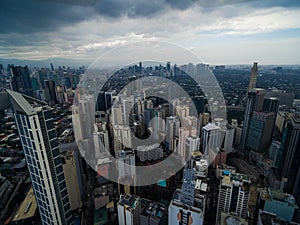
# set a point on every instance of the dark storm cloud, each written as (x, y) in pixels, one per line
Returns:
(33, 16)
(30, 16)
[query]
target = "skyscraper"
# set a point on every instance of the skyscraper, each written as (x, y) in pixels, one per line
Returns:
(129, 209)
(253, 77)
(211, 138)
(260, 131)
(126, 168)
(21, 80)
(101, 141)
(70, 167)
(38, 137)
(255, 100)
(49, 91)
(188, 185)
(271, 105)
(187, 207)
(290, 166)
(234, 193)
(172, 129)
(128, 104)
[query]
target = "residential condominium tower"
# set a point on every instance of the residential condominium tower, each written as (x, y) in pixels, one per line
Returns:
(39, 141)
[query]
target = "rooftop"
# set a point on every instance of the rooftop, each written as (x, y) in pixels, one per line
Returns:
(226, 180)
(154, 209)
(27, 208)
(240, 177)
(129, 201)
(25, 104)
(271, 219)
(277, 195)
(211, 126)
(200, 185)
(199, 203)
(231, 219)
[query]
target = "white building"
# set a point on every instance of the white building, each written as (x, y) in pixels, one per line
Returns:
(211, 138)
(126, 170)
(101, 141)
(122, 138)
(116, 114)
(234, 193)
(192, 144)
(172, 130)
(185, 215)
(128, 104)
(182, 111)
(129, 209)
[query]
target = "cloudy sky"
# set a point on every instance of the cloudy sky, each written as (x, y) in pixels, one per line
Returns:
(220, 31)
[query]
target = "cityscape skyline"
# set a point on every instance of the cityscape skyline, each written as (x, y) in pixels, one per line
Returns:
(75, 150)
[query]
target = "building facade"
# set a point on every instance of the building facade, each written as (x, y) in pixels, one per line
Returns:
(38, 137)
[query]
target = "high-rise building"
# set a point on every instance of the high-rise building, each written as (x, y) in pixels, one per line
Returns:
(101, 141)
(275, 153)
(128, 104)
(255, 101)
(60, 94)
(260, 131)
(290, 166)
(109, 99)
(172, 129)
(234, 193)
(116, 115)
(126, 168)
(21, 80)
(187, 206)
(184, 133)
(271, 105)
(231, 218)
(49, 92)
(182, 111)
(38, 137)
(182, 214)
(253, 77)
(149, 152)
(129, 209)
(153, 213)
(188, 185)
(157, 123)
(276, 202)
(192, 144)
(211, 138)
(169, 66)
(101, 106)
(83, 120)
(229, 138)
(72, 179)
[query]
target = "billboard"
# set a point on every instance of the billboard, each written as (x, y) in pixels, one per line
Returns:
(180, 216)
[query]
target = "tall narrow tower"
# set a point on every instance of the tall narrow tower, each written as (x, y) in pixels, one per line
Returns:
(253, 77)
(39, 141)
(255, 100)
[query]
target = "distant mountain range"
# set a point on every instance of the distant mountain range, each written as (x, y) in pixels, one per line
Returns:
(46, 62)
(77, 63)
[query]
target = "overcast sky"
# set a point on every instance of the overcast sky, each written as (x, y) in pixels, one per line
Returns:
(219, 32)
